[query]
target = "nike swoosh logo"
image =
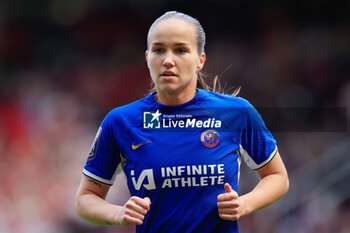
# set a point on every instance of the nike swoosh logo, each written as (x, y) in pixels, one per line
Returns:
(134, 147)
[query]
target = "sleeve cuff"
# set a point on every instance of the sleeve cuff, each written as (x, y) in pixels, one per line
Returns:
(99, 179)
(251, 163)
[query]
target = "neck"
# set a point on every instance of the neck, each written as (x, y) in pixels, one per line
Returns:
(171, 99)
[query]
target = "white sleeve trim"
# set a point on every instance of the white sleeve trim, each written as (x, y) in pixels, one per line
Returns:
(93, 176)
(251, 163)
(105, 181)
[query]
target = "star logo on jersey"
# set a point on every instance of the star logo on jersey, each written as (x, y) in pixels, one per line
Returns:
(151, 120)
(156, 115)
(134, 147)
(210, 138)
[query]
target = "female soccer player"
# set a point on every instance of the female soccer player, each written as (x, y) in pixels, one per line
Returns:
(180, 147)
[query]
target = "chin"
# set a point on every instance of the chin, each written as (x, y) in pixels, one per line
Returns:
(169, 88)
(170, 91)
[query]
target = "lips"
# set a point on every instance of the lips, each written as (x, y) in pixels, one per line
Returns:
(168, 73)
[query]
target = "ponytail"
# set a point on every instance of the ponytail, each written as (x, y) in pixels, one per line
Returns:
(201, 83)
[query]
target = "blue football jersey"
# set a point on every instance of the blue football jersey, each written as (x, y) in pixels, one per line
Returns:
(181, 156)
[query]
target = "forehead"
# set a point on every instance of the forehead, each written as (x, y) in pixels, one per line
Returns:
(173, 31)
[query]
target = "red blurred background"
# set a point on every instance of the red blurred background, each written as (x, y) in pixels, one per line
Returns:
(65, 64)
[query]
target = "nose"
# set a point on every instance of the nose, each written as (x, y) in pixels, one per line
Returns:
(168, 61)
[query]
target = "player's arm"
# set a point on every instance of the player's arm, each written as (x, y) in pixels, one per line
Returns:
(273, 185)
(91, 205)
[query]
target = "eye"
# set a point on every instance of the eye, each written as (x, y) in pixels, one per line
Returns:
(157, 50)
(181, 50)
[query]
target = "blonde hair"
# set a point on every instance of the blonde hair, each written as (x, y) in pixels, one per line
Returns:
(201, 82)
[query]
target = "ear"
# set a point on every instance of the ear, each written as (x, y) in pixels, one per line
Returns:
(146, 56)
(201, 62)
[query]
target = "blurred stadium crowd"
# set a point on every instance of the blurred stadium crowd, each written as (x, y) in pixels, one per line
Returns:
(65, 64)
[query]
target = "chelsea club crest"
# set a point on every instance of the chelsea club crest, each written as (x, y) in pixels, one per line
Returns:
(210, 138)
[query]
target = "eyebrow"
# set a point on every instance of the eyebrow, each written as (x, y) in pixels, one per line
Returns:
(176, 44)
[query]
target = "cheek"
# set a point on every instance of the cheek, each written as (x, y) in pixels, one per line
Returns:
(191, 66)
(153, 69)
(151, 65)
(153, 62)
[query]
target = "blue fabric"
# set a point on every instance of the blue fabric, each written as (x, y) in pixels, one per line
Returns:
(181, 167)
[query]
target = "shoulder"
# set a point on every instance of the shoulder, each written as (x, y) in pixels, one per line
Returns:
(223, 100)
(236, 110)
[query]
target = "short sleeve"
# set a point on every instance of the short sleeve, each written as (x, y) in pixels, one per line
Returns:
(258, 146)
(103, 163)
